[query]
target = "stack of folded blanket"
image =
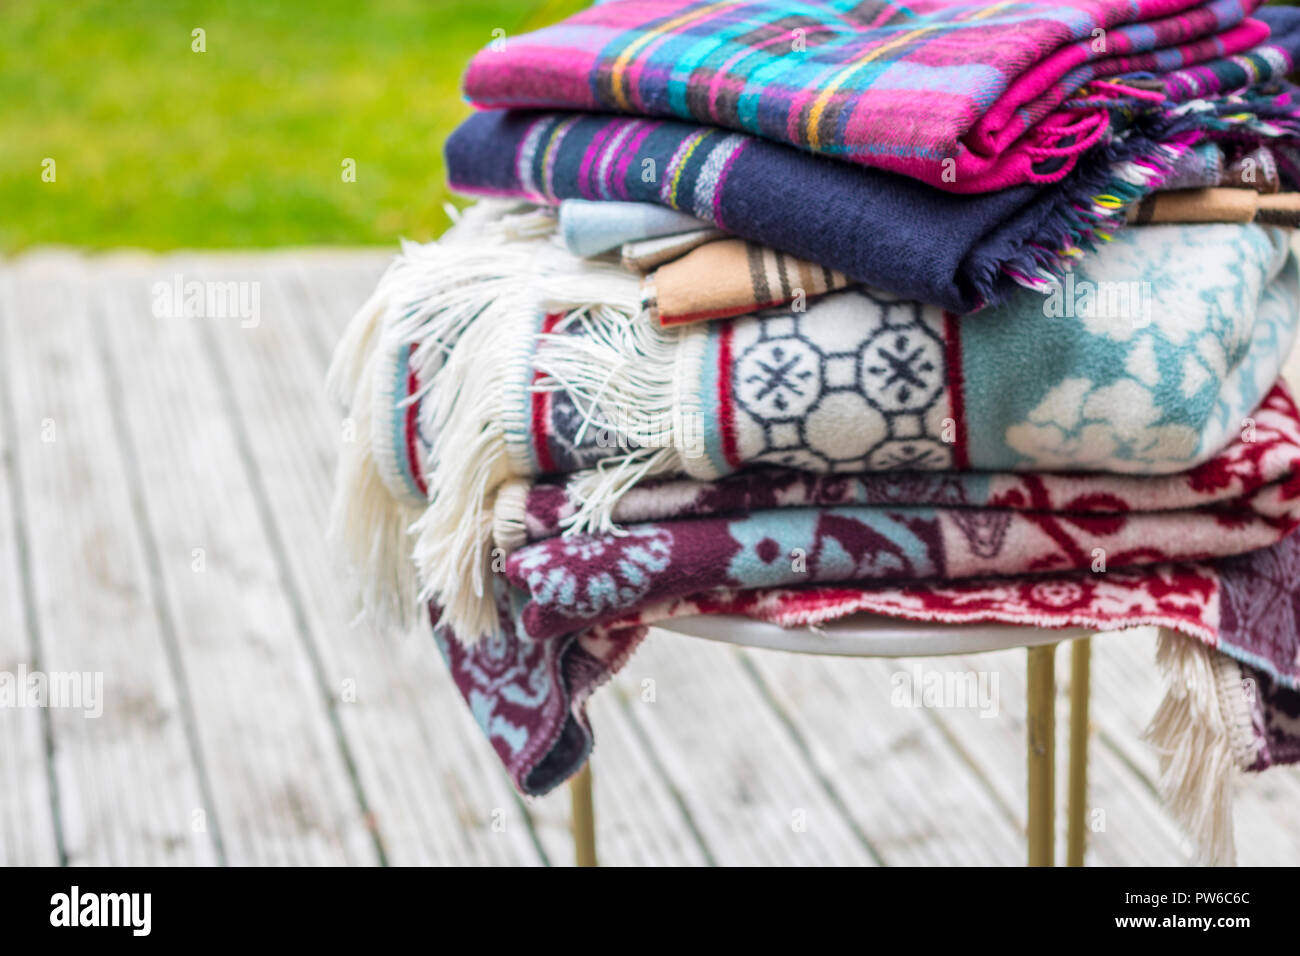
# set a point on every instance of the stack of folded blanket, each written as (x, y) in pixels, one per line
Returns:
(947, 312)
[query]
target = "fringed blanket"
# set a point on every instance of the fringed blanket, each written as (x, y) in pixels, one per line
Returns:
(966, 97)
(887, 231)
(1274, 58)
(480, 361)
(1234, 681)
(552, 470)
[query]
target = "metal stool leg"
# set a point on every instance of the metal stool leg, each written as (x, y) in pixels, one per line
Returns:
(1077, 807)
(583, 817)
(1041, 727)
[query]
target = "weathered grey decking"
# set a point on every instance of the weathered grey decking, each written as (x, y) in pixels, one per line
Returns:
(163, 488)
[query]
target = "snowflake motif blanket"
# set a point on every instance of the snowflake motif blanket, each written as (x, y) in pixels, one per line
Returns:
(966, 97)
(492, 378)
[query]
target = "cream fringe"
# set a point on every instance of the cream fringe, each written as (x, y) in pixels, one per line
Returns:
(417, 281)
(509, 517)
(370, 525)
(1202, 732)
(621, 375)
(479, 409)
(428, 297)
(470, 305)
(470, 461)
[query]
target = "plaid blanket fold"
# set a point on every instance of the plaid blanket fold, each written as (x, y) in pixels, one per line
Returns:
(1274, 58)
(887, 231)
(966, 97)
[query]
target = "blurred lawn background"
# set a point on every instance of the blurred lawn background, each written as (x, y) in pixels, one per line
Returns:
(160, 147)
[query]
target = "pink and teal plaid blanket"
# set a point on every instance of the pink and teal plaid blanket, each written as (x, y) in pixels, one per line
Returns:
(968, 97)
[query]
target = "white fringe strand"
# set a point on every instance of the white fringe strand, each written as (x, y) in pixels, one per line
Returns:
(1202, 733)
(428, 297)
(509, 518)
(621, 375)
(369, 525)
(467, 310)
(478, 407)
(470, 461)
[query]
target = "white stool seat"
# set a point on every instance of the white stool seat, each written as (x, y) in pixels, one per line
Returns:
(868, 635)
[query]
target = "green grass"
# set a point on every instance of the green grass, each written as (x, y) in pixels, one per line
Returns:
(157, 146)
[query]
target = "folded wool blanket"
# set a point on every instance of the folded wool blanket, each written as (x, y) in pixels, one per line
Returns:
(1207, 166)
(966, 97)
(731, 277)
(590, 228)
(1254, 477)
(1219, 205)
(781, 530)
(1273, 58)
(887, 231)
(651, 235)
(643, 255)
(1231, 653)
(480, 361)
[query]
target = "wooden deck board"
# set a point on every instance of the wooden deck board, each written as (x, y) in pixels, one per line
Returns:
(1265, 804)
(127, 784)
(245, 690)
(281, 789)
(742, 776)
(1142, 833)
(27, 797)
(892, 766)
(399, 711)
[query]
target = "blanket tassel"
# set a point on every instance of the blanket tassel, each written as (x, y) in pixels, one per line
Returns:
(621, 372)
(369, 524)
(1202, 733)
(425, 302)
(479, 409)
